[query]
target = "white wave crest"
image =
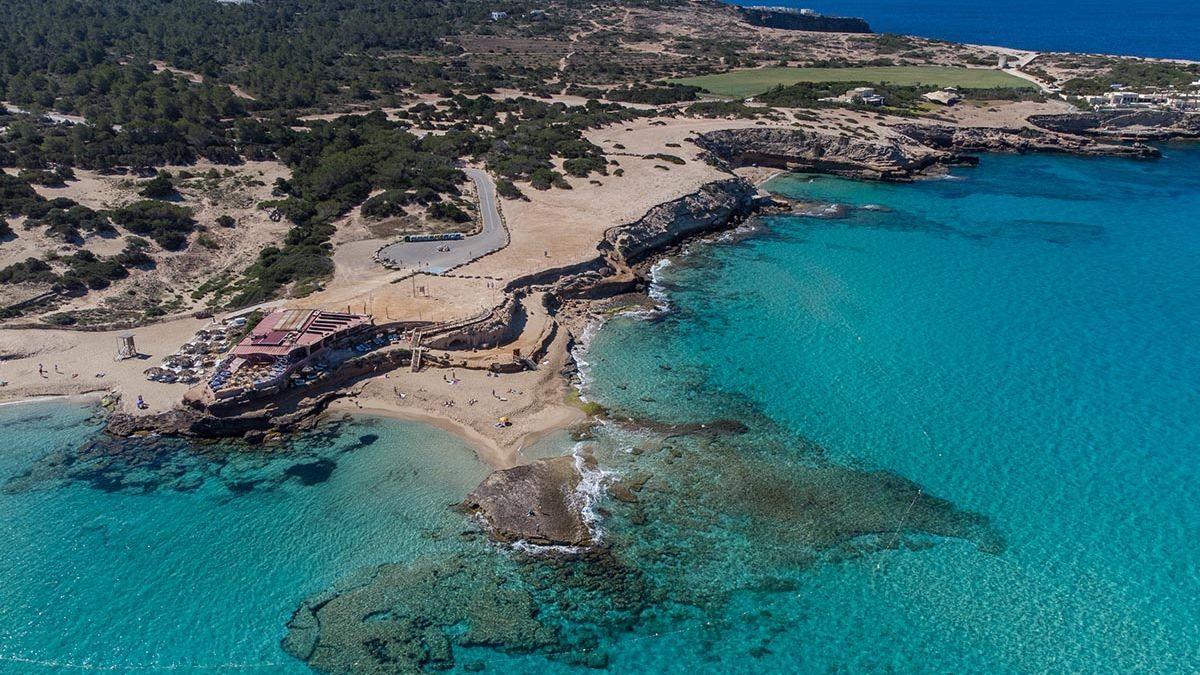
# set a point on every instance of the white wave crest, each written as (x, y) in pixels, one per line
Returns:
(592, 482)
(579, 353)
(662, 302)
(523, 546)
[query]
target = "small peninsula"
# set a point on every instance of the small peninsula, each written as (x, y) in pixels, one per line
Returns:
(232, 250)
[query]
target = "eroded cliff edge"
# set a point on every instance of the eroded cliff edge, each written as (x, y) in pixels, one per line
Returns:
(1141, 125)
(905, 152)
(711, 207)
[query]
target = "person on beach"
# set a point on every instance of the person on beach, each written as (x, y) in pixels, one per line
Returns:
(41, 370)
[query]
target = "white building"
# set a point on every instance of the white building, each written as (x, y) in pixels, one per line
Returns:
(864, 95)
(1170, 100)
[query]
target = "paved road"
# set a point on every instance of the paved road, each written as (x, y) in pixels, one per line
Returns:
(424, 255)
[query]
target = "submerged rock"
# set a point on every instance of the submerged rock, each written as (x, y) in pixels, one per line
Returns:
(536, 503)
(406, 618)
(311, 473)
(692, 522)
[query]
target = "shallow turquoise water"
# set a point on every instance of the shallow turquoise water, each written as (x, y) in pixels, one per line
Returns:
(1023, 340)
(181, 571)
(970, 417)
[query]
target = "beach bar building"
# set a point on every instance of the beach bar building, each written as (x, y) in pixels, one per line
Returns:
(283, 342)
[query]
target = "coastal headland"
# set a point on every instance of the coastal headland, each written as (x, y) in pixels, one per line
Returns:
(482, 345)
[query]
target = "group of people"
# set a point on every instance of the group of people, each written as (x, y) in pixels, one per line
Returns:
(42, 372)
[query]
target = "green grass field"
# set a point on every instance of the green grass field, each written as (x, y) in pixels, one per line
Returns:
(743, 83)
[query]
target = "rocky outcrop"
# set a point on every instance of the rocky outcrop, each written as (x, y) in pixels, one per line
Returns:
(537, 503)
(287, 415)
(913, 150)
(838, 154)
(1137, 125)
(711, 207)
(992, 139)
(253, 420)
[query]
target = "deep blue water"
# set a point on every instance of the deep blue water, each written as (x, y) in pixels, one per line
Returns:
(1162, 28)
(950, 426)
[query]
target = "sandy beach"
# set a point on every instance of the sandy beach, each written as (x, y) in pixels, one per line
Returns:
(535, 403)
(46, 362)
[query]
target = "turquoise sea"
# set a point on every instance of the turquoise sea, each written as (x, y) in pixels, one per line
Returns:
(946, 426)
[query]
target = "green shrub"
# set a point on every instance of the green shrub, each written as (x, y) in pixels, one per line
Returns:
(30, 271)
(448, 211)
(166, 224)
(159, 187)
(666, 158)
(509, 190)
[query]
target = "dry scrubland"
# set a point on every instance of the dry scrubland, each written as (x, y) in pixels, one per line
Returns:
(752, 82)
(172, 285)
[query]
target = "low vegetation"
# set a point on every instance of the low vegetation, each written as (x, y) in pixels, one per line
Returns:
(166, 224)
(1136, 75)
(655, 95)
(745, 83)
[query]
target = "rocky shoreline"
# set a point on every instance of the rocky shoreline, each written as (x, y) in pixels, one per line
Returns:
(534, 502)
(1129, 125)
(910, 152)
(713, 207)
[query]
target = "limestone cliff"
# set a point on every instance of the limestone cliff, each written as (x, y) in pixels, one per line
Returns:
(1141, 125)
(910, 151)
(995, 139)
(709, 208)
(791, 20)
(838, 154)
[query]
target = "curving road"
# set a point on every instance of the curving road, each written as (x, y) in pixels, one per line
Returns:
(425, 256)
